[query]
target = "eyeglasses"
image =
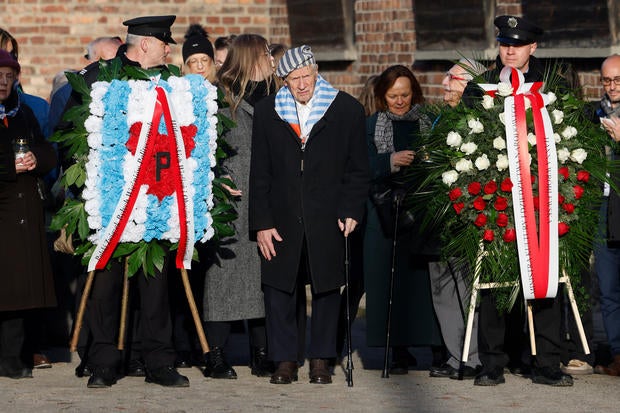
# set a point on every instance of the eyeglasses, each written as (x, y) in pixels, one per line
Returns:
(456, 77)
(194, 61)
(9, 77)
(606, 81)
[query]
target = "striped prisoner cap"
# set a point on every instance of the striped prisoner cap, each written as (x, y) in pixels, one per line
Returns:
(294, 59)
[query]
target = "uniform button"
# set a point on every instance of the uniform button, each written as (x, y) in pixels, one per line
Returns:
(299, 220)
(22, 221)
(20, 195)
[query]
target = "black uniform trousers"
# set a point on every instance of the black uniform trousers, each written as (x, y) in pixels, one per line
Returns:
(492, 331)
(154, 324)
(285, 316)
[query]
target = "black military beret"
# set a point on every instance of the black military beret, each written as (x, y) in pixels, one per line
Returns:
(516, 31)
(155, 26)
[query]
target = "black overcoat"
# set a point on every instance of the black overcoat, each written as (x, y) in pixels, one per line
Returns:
(334, 183)
(26, 273)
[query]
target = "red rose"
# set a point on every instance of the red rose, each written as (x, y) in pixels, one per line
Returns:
(474, 188)
(536, 203)
(583, 176)
(481, 220)
(501, 203)
(578, 190)
(506, 185)
(488, 235)
(562, 228)
(502, 220)
(458, 207)
(490, 188)
(533, 179)
(455, 194)
(568, 207)
(564, 172)
(479, 203)
(510, 235)
(561, 199)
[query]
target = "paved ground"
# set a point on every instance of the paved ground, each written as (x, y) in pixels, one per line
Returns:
(58, 390)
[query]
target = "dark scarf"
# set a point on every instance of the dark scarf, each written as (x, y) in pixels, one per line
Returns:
(254, 91)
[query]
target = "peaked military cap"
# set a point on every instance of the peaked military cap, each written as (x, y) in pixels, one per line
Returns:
(155, 26)
(517, 31)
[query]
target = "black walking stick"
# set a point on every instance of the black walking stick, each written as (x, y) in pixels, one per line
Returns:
(398, 197)
(349, 369)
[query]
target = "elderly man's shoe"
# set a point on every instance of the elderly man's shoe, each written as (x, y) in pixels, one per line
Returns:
(319, 371)
(468, 373)
(102, 377)
(286, 373)
(491, 377)
(260, 365)
(445, 370)
(551, 376)
(217, 367)
(166, 376)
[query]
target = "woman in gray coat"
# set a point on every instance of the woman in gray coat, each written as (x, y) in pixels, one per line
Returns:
(232, 285)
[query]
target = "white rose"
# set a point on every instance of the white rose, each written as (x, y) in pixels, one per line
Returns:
(464, 165)
(528, 104)
(558, 116)
(487, 102)
(499, 143)
(454, 139)
(563, 155)
(475, 125)
(482, 162)
(569, 132)
(578, 155)
(552, 98)
(502, 118)
(557, 138)
(504, 89)
(449, 177)
(502, 162)
(531, 139)
(468, 148)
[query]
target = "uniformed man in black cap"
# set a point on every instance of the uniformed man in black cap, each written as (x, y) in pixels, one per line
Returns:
(147, 47)
(517, 39)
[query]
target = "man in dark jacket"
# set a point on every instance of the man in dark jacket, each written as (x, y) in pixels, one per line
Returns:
(147, 46)
(308, 184)
(517, 39)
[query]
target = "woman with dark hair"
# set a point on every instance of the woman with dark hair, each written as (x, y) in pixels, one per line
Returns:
(233, 286)
(393, 133)
(27, 281)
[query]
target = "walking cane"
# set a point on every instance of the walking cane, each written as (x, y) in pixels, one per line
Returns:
(398, 197)
(349, 369)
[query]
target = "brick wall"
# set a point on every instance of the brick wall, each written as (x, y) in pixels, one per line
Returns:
(53, 34)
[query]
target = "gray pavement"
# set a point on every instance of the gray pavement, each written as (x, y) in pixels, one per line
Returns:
(58, 390)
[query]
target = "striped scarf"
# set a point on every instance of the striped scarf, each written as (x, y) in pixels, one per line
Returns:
(324, 95)
(3, 113)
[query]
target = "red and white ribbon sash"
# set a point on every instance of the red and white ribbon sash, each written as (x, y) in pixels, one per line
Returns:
(135, 179)
(537, 244)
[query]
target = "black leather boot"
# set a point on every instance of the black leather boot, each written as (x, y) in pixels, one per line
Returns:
(259, 363)
(217, 367)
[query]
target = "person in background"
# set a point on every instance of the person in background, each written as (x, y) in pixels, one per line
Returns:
(102, 48)
(450, 285)
(392, 133)
(308, 184)
(607, 246)
(222, 46)
(232, 286)
(367, 96)
(277, 51)
(198, 54)
(27, 280)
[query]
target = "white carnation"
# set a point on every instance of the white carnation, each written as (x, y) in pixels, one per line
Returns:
(475, 125)
(531, 139)
(482, 162)
(449, 177)
(578, 155)
(557, 138)
(502, 118)
(487, 102)
(504, 89)
(93, 124)
(454, 139)
(468, 148)
(563, 155)
(552, 98)
(502, 162)
(499, 143)
(569, 132)
(558, 116)
(464, 165)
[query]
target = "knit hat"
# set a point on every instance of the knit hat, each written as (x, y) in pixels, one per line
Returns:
(6, 60)
(196, 41)
(294, 59)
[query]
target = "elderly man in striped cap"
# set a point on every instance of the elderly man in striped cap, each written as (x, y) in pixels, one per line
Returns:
(309, 180)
